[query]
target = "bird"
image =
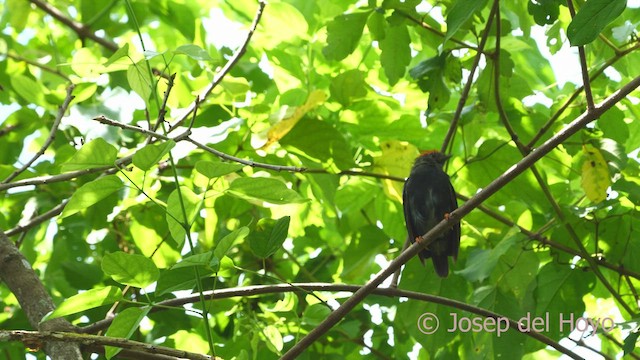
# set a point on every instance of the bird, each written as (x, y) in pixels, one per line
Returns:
(428, 197)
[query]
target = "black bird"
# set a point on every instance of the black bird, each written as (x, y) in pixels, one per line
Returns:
(428, 197)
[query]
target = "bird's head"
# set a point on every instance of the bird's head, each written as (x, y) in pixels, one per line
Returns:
(432, 157)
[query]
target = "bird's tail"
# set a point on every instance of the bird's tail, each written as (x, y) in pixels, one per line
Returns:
(441, 265)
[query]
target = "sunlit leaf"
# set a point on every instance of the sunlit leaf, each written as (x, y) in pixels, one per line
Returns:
(151, 154)
(396, 160)
(130, 269)
(264, 189)
(344, 34)
(284, 125)
(96, 153)
(217, 169)
(269, 236)
(180, 203)
(592, 18)
(595, 174)
(87, 300)
(91, 193)
(123, 326)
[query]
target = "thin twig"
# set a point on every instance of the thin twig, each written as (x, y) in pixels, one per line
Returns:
(79, 28)
(583, 65)
(50, 138)
(578, 91)
(37, 220)
(38, 65)
(163, 108)
(226, 69)
(455, 216)
(496, 79)
(467, 86)
(549, 242)
(431, 29)
(7, 129)
(581, 343)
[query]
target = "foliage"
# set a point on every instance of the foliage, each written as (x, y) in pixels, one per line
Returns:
(155, 149)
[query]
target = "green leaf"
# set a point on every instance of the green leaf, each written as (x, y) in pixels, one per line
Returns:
(592, 18)
(222, 247)
(348, 86)
(140, 79)
(175, 215)
(91, 193)
(545, 12)
(193, 51)
(461, 11)
(18, 13)
(94, 154)
(206, 260)
(130, 269)
(151, 154)
(269, 236)
(87, 300)
(28, 89)
(482, 262)
(274, 338)
(377, 25)
(430, 75)
(319, 140)
(179, 279)
(630, 342)
(120, 53)
(264, 189)
(281, 23)
(396, 53)
(123, 326)
(559, 287)
(315, 314)
(343, 35)
(87, 64)
(213, 170)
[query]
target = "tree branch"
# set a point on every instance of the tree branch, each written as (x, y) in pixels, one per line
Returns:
(17, 274)
(80, 29)
(31, 337)
(583, 65)
(37, 220)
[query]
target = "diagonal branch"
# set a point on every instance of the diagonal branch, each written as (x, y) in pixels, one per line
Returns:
(456, 215)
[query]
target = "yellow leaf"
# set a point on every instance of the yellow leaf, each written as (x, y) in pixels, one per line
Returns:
(282, 127)
(595, 174)
(396, 160)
